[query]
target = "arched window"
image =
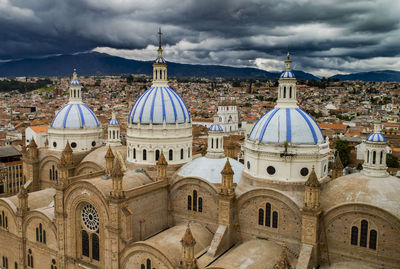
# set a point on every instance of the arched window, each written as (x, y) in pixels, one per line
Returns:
(212, 143)
(268, 215)
(189, 152)
(56, 174)
(354, 235)
(368, 156)
(364, 233)
(113, 134)
(381, 159)
(200, 204)
(50, 175)
(216, 143)
(95, 247)
(182, 154)
(30, 258)
(157, 154)
(194, 200)
(374, 157)
(53, 264)
(189, 205)
(284, 92)
(171, 155)
(148, 264)
(134, 153)
(16, 265)
(142, 266)
(144, 155)
(53, 173)
(275, 219)
(372, 239)
(85, 244)
(160, 74)
(290, 92)
(260, 216)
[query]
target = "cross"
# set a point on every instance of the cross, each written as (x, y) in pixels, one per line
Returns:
(159, 37)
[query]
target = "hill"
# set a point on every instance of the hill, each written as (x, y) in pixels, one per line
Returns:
(94, 63)
(384, 75)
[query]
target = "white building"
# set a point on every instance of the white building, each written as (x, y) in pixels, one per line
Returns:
(227, 116)
(39, 133)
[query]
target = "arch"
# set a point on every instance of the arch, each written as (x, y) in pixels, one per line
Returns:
(364, 233)
(354, 236)
(170, 155)
(260, 216)
(48, 159)
(182, 154)
(157, 155)
(372, 239)
(88, 165)
(144, 155)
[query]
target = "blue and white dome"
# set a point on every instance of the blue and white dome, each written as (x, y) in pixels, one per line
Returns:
(287, 124)
(75, 82)
(376, 137)
(287, 74)
(215, 128)
(113, 122)
(159, 104)
(74, 116)
(160, 60)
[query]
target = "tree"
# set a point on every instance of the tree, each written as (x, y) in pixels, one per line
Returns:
(392, 161)
(343, 147)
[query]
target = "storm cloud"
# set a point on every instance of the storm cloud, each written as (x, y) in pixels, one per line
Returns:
(325, 37)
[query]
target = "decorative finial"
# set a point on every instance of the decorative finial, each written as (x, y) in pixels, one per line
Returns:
(74, 75)
(159, 38)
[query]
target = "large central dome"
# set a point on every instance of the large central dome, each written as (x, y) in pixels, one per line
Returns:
(159, 104)
(281, 125)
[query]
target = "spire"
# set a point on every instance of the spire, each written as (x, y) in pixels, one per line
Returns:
(188, 237)
(227, 168)
(109, 160)
(188, 259)
(227, 179)
(283, 261)
(312, 180)
(160, 66)
(287, 87)
(288, 62)
(161, 167)
(159, 43)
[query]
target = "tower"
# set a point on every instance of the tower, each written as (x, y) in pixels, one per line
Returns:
(337, 167)
(215, 148)
(22, 201)
(160, 66)
(113, 131)
(109, 161)
(31, 165)
(117, 177)
(375, 154)
(188, 261)
(310, 214)
(75, 90)
(287, 87)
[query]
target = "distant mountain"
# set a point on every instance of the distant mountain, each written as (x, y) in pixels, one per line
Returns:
(384, 75)
(94, 63)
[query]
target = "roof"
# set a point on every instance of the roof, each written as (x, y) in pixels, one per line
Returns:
(376, 137)
(312, 180)
(215, 128)
(75, 116)
(188, 236)
(159, 104)
(286, 124)
(8, 151)
(210, 169)
(227, 168)
(287, 74)
(40, 128)
(113, 122)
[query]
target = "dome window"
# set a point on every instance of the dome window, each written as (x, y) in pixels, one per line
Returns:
(271, 170)
(73, 145)
(54, 144)
(304, 171)
(93, 143)
(248, 165)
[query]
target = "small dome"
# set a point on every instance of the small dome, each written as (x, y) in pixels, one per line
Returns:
(75, 82)
(286, 124)
(160, 60)
(113, 122)
(215, 128)
(159, 104)
(75, 116)
(287, 74)
(376, 137)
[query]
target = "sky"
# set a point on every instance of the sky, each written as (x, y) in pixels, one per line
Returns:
(324, 37)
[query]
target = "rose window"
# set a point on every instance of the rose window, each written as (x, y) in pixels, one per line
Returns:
(90, 218)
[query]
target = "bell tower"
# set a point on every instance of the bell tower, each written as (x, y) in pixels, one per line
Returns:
(160, 78)
(287, 87)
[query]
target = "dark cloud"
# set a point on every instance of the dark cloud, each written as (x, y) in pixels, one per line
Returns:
(324, 36)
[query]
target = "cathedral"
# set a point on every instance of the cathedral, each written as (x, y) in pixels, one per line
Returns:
(94, 203)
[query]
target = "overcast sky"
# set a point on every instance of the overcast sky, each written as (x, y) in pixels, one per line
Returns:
(324, 37)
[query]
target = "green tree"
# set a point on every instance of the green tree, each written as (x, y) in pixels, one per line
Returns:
(343, 147)
(392, 161)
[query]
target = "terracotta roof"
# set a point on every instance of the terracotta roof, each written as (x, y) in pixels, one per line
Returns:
(40, 128)
(332, 126)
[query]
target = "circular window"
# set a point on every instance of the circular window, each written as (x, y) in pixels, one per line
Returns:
(271, 170)
(90, 218)
(73, 145)
(248, 165)
(304, 171)
(54, 144)
(93, 143)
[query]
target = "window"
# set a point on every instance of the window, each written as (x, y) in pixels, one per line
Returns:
(194, 202)
(380, 160)
(113, 136)
(265, 219)
(53, 173)
(73, 145)
(30, 258)
(3, 220)
(53, 264)
(95, 247)
(157, 154)
(147, 266)
(304, 171)
(367, 156)
(5, 262)
(271, 170)
(54, 144)
(290, 92)
(134, 153)
(374, 157)
(354, 235)
(93, 143)
(40, 234)
(284, 92)
(90, 229)
(170, 155)
(216, 143)
(212, 142)
(85, 244)
(189, 152)
(365, 241)
(364, 233)
(248, 165)
(16, 265)
(181, 154)
(144, 155)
